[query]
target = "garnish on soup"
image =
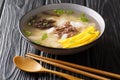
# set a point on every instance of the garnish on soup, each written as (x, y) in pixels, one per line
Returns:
(61, 28)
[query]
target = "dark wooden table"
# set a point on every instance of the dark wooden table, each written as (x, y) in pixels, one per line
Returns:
(104, 55)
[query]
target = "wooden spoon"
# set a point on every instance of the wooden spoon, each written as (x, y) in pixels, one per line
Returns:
(30, 65)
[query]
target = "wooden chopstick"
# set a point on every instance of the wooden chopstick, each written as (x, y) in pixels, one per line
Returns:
(101, 72)
(52, 62)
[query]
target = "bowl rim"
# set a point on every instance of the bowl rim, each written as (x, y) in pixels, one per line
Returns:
(20, 30)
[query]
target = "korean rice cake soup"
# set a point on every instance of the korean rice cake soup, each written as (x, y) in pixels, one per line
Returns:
(60, 28)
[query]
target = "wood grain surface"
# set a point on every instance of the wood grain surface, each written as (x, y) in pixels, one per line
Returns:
(104, 55)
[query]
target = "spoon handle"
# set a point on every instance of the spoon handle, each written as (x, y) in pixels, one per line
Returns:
(67, 76)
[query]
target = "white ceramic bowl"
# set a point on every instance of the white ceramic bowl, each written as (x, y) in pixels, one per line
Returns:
(91, 14)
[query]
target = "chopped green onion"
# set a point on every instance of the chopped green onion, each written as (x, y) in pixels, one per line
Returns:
(27, 33)
(29, 24)
(44, 36)
(71, 41)
(83, 18)
(44, 24)
(59, 11)
(90, 32)
(69, 12)
(37, 42)
(33, 20)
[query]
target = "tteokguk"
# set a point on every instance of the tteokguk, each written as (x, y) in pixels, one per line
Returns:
(61, 29)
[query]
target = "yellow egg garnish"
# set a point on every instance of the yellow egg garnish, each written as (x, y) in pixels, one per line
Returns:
(85, 37)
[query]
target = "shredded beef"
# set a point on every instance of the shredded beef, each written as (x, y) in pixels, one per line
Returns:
(41, 23)
(66, 29)
(44, 23)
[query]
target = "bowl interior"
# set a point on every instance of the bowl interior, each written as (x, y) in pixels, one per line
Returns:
(91, 14)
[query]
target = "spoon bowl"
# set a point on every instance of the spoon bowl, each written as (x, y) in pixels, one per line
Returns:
(27, 64)
(30, 65)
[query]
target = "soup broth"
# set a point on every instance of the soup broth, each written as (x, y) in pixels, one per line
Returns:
(60, 29)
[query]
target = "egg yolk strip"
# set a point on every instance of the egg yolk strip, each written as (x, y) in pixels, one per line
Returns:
(85, 37)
